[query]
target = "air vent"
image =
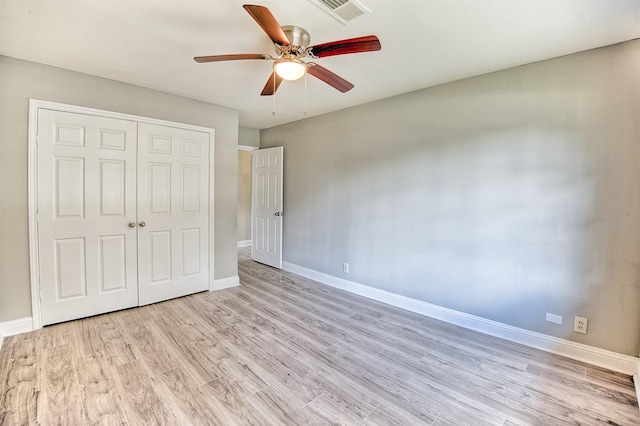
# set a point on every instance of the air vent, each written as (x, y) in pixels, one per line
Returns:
(344, 11)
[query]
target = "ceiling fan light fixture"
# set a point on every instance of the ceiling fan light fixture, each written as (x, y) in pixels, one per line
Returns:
(290, 68)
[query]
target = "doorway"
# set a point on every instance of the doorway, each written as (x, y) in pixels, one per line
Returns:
(244, 195)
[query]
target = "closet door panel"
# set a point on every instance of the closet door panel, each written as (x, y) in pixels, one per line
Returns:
(173, 212)
(86, 185)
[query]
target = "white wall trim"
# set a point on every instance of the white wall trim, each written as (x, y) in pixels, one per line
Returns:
(600, 357)
(34, 106)
(245, 243)
(18, 326)
(32, 195)
(247, 148)
(222, 283)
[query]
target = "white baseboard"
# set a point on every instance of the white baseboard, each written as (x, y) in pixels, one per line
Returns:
(600, 357)
(245, 243)
(18, 326)
(222, 283)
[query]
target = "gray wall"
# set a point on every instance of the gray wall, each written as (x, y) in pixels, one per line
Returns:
(19, 81)
(504, 196)
(249, 137)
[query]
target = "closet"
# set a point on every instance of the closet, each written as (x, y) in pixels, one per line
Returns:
(121, 215)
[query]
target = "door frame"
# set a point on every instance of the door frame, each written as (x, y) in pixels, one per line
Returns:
(34, 106)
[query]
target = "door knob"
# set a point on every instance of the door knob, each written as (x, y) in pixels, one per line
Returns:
(132, 224)
(142, 224)
(277, 213)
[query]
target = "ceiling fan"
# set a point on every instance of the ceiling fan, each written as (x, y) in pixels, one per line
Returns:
(292, 46)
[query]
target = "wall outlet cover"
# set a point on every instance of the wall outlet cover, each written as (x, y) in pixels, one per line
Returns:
(580, 325)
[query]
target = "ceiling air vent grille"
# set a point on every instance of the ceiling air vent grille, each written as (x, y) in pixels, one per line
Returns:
(342, 10)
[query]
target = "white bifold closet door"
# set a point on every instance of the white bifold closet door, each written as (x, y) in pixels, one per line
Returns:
(173, 204)
(122, 214)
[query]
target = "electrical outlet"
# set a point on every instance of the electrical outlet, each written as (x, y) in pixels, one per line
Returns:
(580, 325)
(345, 268)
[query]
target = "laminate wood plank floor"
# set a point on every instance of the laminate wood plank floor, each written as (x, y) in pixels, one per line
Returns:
(284, 350)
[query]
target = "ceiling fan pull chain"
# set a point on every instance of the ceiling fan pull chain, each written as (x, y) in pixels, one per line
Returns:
(274, 94)
(305, 94)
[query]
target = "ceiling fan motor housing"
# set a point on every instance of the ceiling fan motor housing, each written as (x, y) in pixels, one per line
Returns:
(298, 37)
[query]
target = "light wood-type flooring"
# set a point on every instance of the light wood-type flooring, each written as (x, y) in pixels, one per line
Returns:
(283, 350)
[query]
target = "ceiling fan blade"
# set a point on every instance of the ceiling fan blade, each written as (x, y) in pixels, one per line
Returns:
(218, 58)
(330, 78)
(344, 47)
(268, 23)
(270, 88)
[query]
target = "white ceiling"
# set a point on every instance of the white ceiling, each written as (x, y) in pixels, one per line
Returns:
(152, 43)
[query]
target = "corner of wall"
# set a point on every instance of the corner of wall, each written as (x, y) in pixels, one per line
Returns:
(224, 283)
(19, 326)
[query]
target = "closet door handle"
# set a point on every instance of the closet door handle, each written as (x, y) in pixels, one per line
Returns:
(132, 224)
(142, 224)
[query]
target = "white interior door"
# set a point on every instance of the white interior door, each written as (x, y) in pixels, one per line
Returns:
(266, 206)
(87, 196)
(173, 212)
